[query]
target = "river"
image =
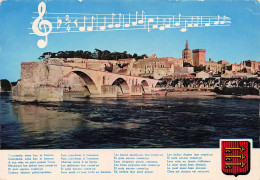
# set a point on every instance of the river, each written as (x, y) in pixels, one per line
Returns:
(132, 122)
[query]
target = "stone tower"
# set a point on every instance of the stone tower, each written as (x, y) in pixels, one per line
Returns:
(187, 54)
(199, 56)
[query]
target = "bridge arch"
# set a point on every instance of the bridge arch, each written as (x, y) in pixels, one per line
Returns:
(122, 84)
(145, 86)
(90, 85)
(144, 83)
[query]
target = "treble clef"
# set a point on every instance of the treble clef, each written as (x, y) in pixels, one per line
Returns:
(38, 23)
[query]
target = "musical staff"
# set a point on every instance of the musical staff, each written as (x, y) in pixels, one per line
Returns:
(87, 22)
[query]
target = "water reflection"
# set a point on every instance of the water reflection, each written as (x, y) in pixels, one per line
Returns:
(37, 119)
(136, 122)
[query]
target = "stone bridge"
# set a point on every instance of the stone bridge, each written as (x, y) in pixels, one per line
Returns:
(43, 81)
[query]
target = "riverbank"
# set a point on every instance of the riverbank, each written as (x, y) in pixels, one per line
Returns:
(206, 94)
(190, 94)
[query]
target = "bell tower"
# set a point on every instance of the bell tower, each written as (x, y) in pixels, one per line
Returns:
(187, 54)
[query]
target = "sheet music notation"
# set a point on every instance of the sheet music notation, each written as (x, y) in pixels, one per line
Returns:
(84, 22)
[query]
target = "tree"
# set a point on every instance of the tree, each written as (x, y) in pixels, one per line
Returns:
(45, 55)
(97, 54)
(5, 85)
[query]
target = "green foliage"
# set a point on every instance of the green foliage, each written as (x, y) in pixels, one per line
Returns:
(97, 54)
(6, 85)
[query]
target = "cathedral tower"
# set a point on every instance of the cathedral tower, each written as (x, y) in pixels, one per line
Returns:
(187, 54)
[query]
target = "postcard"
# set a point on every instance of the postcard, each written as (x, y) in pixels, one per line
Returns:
(120, 89)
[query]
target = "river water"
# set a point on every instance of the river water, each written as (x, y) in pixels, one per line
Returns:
(133, 122)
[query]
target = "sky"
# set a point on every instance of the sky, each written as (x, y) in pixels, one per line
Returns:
(235, 43)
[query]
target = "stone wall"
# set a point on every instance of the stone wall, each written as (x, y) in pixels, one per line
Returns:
(48, 93)
(34, 84)
(109, 91)
(136, 90)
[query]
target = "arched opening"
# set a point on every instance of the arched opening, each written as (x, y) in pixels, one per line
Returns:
(78, 84)
(144, 85)
(158, 85)
(122, 86)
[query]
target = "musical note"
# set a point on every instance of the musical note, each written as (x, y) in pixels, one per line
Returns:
(128, 25)
(112, 24)
(168, 25)
(142, 20)
(103, 27)
(150, 20)
(178, 23)
(92, 24)
(155, 26)
(197, 24)
(184, 29)
(68, 28)
(59, 22)
(208, 24)
(76, 23)
(83, 28)
(67, 19)
(38, 23)
(191, 24)
(119, 23)
(224, 19)
(217, 22)
(162, 27)
(42, 27)
(135, 23)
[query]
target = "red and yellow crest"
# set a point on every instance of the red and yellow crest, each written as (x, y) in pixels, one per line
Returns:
(235, 157)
